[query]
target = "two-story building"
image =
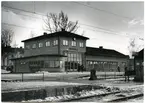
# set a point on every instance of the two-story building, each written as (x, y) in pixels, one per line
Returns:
(55, 52)
(65, 51)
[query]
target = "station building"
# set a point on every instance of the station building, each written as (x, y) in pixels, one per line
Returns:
(64, 51)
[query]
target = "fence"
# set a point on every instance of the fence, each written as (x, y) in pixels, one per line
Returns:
(59, 76)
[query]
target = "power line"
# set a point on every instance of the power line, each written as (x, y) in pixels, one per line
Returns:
(108, 12)
(27, 15)
(81, 27)
(42, 30)
(79, 23)
(97, 27)
(23, 10)
(18, 26)
(45, 15)
(108, 31)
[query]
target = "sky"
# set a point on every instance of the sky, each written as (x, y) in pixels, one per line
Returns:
(108, 24)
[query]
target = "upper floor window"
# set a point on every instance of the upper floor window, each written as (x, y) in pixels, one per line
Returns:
(40, 45)
(34, 46)
(27, 46)
(48, 43)
(65, 42)
(81, 44)
(55, 42)
(74, 43)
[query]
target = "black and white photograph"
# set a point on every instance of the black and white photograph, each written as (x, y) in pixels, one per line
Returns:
(72, 51)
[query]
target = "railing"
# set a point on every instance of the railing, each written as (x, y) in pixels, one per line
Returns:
(58, 76)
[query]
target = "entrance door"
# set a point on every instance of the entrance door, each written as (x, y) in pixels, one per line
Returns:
(73, 61)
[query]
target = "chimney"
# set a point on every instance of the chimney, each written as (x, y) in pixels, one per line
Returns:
(100, 47)
(45, 33)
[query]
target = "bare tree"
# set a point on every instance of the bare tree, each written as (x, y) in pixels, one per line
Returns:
(6, 40)
(60, 22)
(6, 37)
(133, 47)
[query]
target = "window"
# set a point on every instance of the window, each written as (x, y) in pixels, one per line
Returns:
(65, 42)
(40, 45)
(34, 46)
(51, 63)
(27, 47)
(47, 64)
(48, 43)
(56, 64)
(73, 43)
(81, 44)
(55, 42)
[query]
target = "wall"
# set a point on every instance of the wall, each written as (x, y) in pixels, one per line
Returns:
(107, 59)
(53, 49)
(22, 65)
(69, 47)
(139, 68)
(42, 50)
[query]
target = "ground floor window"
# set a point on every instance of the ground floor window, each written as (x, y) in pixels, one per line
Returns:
(102, 65)
(74, 61)
(37, 65)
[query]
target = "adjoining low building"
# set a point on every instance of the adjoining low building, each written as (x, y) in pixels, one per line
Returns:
(65, 51)
(105, 59)
(139, 66)
(12, 53)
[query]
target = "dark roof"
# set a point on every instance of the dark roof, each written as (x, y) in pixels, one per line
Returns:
(44, 55)
(62, 34)
(21, 50)
(10, 49)
(103, 52)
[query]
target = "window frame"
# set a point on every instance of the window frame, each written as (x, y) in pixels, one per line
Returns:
(64, 42)
(40, 45)
(81, 44)
(46, 44)
(55, 42)
(34, 46)
(27, 47)
(73, 42)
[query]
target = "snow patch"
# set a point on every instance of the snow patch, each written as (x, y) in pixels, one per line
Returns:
(42, 72)
(5, 71)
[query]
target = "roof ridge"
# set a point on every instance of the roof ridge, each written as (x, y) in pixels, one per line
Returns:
(62, 33)
(99, 48)
(102, 51)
